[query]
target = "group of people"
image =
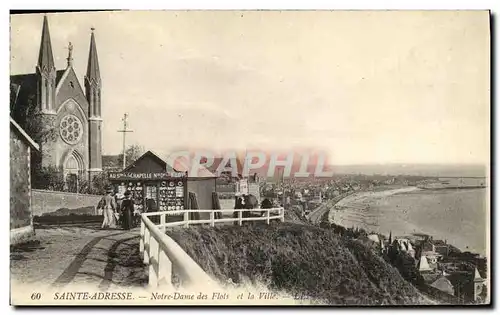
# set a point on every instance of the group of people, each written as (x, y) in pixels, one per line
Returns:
(249, 201)
(116, 214)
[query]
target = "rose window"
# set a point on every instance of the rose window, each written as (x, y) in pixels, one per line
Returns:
(71, 129)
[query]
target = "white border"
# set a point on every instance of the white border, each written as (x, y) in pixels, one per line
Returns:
(219, 4)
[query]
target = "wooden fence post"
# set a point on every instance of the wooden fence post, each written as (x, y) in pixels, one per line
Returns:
(146, 246)
(163, 222)
(282, 213)
(240, 217)
(164, 269)
(154, 263)
(212, 218)
(186, 218)
(268, 215)
(141, 241)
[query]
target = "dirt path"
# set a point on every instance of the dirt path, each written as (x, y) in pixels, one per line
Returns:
(81, 255)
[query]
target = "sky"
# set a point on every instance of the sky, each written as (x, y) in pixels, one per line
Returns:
(364, 86)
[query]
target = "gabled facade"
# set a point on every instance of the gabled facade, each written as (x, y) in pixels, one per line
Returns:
(71, 109)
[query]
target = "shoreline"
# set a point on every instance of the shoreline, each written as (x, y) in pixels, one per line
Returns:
(364, 209)
(343, 204)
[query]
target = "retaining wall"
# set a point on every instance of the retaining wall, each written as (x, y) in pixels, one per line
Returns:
(46, 201)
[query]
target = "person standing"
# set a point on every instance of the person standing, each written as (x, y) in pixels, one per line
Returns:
(127, 209)
(237, 205)
(266, 204)
(108, 205)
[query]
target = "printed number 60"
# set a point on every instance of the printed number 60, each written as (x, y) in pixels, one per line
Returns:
(36, 296)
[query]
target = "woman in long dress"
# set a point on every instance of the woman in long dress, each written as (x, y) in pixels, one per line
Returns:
(108, 205)
(127, 208)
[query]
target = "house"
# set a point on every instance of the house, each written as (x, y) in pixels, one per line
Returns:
(423, 266)
(232, 181)
(427, 249)
(442, 248)
(374, 237)
(404, 245)
(444, 285)
(21, 215)
(479, 286)
(202, 183)
(162, 187)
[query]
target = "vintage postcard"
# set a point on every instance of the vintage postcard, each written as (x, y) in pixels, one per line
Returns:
(250, 158)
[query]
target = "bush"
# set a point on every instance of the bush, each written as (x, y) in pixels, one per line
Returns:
(299, 259)
(48, 178)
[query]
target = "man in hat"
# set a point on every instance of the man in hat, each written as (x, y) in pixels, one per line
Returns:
(108, 206)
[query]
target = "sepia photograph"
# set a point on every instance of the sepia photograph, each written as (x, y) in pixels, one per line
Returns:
(273, 157)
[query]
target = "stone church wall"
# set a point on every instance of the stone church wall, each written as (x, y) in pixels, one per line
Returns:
(45, 201)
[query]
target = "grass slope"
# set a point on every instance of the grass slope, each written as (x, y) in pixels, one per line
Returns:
(299, 259)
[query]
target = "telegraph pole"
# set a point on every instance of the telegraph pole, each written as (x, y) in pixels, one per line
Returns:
(124, 131)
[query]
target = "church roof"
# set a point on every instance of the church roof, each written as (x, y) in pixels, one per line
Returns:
(93, 72)
(442, 284)
(45, 56)
(24, 86)
(423, 264)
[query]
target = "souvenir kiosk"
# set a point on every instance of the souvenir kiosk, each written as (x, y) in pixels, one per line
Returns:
(152, 188)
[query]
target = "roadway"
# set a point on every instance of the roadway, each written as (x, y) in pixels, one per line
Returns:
(61, 256)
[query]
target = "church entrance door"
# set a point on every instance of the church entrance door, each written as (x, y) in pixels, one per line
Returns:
(72, 182)
(71, 172)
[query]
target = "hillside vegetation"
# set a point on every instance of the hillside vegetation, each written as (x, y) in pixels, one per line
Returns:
(299, 259)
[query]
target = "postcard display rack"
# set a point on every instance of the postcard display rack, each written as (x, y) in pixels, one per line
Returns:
(171, 195)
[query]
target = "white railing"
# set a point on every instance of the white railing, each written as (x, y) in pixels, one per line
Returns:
(162, 253)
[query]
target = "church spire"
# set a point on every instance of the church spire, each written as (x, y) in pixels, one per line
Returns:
(45, 57)
(46, 72)
(93, 95)
(93, 81)
(93, 73)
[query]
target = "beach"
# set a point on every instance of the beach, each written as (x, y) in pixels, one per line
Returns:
(458, 216)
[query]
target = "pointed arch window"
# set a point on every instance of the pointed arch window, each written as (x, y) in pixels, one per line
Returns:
(94, 94)
(98, 103)
(92, 102)
(47, 94)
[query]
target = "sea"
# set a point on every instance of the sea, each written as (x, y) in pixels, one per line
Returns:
(458, 216)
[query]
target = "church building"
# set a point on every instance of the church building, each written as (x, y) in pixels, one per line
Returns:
(71, 111)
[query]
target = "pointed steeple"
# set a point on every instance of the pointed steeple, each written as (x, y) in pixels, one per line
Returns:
(45, 56)
(93, 73)
(46, 72)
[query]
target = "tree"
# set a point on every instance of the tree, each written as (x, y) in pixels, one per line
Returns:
(41, 128)
(132, 153)
(100, 182)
